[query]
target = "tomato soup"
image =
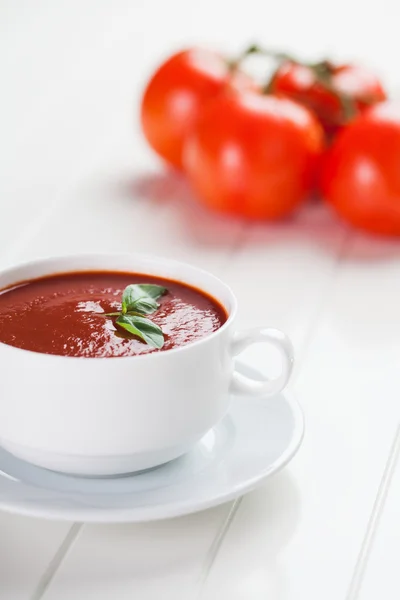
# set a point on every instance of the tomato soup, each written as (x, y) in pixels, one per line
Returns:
(64, 314)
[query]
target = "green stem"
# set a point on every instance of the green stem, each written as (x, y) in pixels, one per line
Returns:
(255, 49)
(118, 314)
(322, 70)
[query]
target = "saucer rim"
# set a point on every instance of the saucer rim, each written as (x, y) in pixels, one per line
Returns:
(177, 509)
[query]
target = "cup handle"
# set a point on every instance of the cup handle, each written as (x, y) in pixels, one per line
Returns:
(241, 340)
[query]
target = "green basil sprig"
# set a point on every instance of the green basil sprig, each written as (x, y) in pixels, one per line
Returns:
(148, 331)
(139, 294)
(138, 300)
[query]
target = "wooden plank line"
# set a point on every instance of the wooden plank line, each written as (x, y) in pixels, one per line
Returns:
(374, 519)
(221, 535)
(215, 547)
(58, 558)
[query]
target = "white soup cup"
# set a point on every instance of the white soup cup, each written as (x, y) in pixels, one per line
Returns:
(107, 416)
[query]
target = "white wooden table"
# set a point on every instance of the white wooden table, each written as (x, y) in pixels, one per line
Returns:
(75, 175)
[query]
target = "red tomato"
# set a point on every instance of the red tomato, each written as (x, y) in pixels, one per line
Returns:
(176, 94)
(300, 83)
(253, 154)
(361, 175)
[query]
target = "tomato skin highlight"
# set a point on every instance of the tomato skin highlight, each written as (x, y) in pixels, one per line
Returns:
(253, 155)
(178, 92)
(300, 83)
(361, 174)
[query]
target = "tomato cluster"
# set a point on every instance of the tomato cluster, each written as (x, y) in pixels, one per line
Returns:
(259, 152)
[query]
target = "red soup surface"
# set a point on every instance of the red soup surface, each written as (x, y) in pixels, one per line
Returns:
(63, 314)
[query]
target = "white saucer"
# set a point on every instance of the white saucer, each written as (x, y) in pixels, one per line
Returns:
(256, 439)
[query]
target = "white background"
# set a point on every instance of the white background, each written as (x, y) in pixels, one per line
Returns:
(76, 175)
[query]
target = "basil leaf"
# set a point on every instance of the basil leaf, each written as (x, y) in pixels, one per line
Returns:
(152, 290)
(146, 330)
(135, 291)
(144, 306)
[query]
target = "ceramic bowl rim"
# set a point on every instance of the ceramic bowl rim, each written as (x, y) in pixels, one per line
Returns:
(140, 257)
